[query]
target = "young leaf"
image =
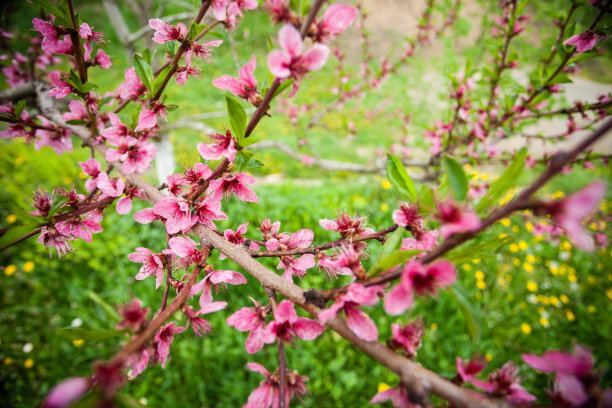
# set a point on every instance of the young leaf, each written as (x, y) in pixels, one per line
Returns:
(391, 246)
(14, 233)
(392, 260)
(58, 203)
(398, 177)
(456, 178)
(157, 83)
(107, 308)
(237, 117)
(144, 71)
(507, 180)
(19, 107)
(242, 160)
(283, 86)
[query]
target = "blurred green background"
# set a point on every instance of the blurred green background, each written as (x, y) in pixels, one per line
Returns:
(526, 296)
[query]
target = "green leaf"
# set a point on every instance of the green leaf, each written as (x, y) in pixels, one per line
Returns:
(237, 117)
(146, 54)
(102, 303)
(88, 87)
(242, 160)
(157, 83)
(283, 86)
(16, 232)
(506, 181)
(76, 122)
(456, 178)
(215, 34)
(144, 71)
(88, 334)
(426, 199)
(19, 107)
(391, 245)
(476, 249)
(195, 30)
(392, 260)
(254, 164)
(24, 216)
(473, 318)
(58, 203)
(398, 177)
(560, 78)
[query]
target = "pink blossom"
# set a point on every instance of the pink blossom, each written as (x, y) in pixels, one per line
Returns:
(133, 87)
(102, 59)
(583, 42)
(504, 383)
(398, 396)
(418, 279)
(360, 323)
(347, 261)
(237, 237)
(117, 133)
(187, 249)
(166, 32)
(66, 393)
(138, 361)
(219, 8)
(58, 139)
(300, 239)
(574, 372)
(287, 325)
(291, 62)
(62, 88)
(456, 220)
(147, 118)
(570, 212)
(336, 19)
(466, 371)
(427, 242)
(268, 392)
(347, 226)
(407, 339)
(182, 73)
(230, 184)
(77, 227)
(207, 211)
(51, 238)
(203, 50)
(152, 265)
(280, 10)
(199, 325)
(134, 316)
(163, 340)
(219, 279)
(51, 38)
(146, 216)
(177, 214)
(77, 112)
(200, 171)
(92, 168)
(124, 204)
(252, 319)
(225, 146)
(245, 86)
(87, 34)
(110, 187)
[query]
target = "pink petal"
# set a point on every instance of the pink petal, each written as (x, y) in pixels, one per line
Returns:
(315, 58)
(290, 39)
(66, 393)
(302, 238)
(124, 205)
(278, 63)
(258, 368)
(244, 319)
(182, 246)
(329, 225)
(308, 329)
(213, 307)
(285, 312)
(361, 324)
(398, 300)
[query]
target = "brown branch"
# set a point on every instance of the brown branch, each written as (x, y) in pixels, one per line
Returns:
(184, 47)
(76, 45)
(63, 217)
(316, 249)
(557, 163)
(157, 322)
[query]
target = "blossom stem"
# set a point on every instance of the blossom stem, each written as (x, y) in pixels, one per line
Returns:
(162, 317)
(168, 265)
(558, 162)
(63, 217)
(315, 249)
(282, 361)
(76, 45)
(177, 57)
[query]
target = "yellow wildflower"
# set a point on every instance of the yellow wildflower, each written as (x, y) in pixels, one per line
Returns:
(505, 222)
(384, 207)
(385, 184)
(481, 285)
(570, 315)
(28, 363)
(11, 218)
(528, 267)
(526, 328)
(523, 245)
(28, 266)
(532, 286)
(479, 275)
(9, 270)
